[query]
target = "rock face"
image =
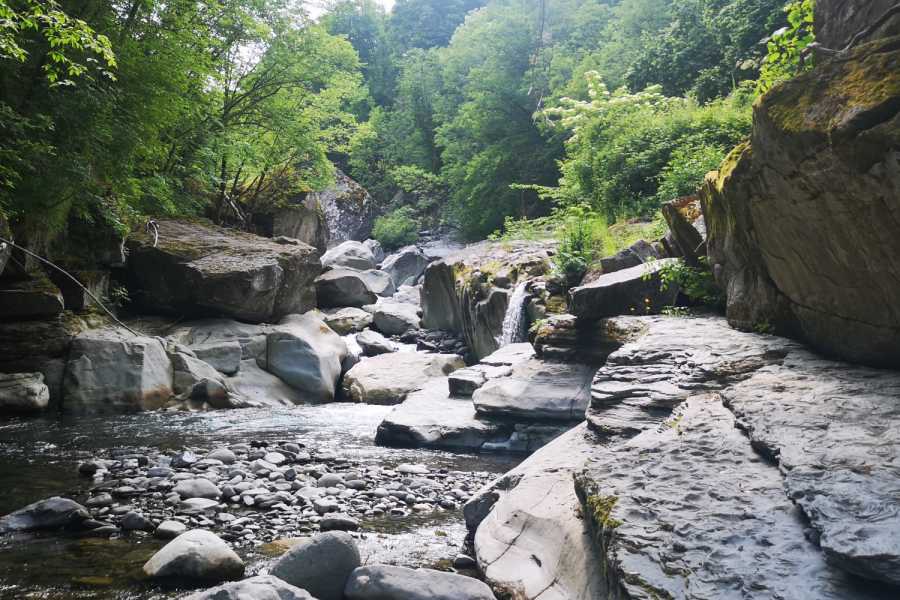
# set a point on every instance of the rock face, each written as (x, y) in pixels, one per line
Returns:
(197, 555)
(802, 221)
(112, 371)
(307, 355)
(261, 587)
(632, 291)
(537, 390)
(636, 254)
(344, 287)
(348, 208)
(351, 255)
(200, 269)
(23, 392)
(460, 293)
(388, 378)
(53, 513)
(32, 298)
(383, 582)
(321, 564)
(299, 219)
(839, 21)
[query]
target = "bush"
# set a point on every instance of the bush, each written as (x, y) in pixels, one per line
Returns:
(696, 283)
(396, 229)
(582, 239)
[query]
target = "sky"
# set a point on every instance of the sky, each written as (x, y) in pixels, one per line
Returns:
(316, 6)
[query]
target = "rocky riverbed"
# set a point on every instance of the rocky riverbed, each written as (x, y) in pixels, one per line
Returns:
(407, 507)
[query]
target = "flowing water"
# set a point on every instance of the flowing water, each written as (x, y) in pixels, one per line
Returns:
(39, 457)
(514, 322)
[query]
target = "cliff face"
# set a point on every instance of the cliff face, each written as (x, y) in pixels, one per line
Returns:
(803, 221)
(838, 21)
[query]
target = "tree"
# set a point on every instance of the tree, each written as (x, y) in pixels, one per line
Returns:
(427, 24)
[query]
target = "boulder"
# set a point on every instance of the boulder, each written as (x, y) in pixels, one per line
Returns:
(376, 249)
(197, 555)
(298, 218)
(564, 338)
(35, 297)
(188, 371)
(395, 318)
(351, 255)
(224, 356)
(537, 390)
(409, 294)
(687, 228)
(78, 297)
(338, 522)
(261, 587)
(347, 320)
(379, 282)
(508, 355)
(802, 234)
(348, 208)
(262, 388)
(306, 354)
(636, 254)
(344, 287)
(197, 488)
(52, 513)
(405, 266)
(373, 343)
(214, 336)
(110, 371)
(837, 22)
(321, 564)
(23, 392)
(388, 378)
(385, 582)
(168, 530)
(464, 382)
(200, 269)
(633, 291)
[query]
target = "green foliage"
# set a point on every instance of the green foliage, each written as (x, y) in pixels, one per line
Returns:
(786, 45)
(696, 283)
(582, 240)
(396, 229)
(686, 169)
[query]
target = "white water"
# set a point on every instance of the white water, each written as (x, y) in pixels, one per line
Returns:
(514, 321)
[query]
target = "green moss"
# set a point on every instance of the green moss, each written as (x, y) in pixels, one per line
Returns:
(601, 508)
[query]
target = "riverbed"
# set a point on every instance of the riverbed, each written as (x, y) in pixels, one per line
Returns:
(39, 459)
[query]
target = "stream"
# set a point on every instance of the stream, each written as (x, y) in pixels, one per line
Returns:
(39, 459)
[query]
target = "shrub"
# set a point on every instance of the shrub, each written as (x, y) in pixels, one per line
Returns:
(582, 239)
(696, 283)
(396, 229)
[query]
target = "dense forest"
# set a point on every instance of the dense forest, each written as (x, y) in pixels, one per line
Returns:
(467, 113)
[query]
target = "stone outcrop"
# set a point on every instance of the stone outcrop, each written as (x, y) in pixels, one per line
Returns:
(112, 371)
(687, 229)
(633, 291)
(348, 209)
(299, 218)
(802, 221)
(462, 292)
(839, 21)
(537, 390)
(34, 297)
(198, 269)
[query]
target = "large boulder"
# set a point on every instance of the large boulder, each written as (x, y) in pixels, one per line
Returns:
(306, 354)
(537, 390)
(224, 356)
(395, 318)
(344, 287)
(379, 282)
(261, 587)
(385, 582)
(34, 297)
(212, 339)
(23, 392)
(321, 564)
(52, 513)
(373, 343)
(197, 555)
(634, 291)
(111, 371)
(261, 388)
(405, 266)
(200, 269)
(802, 221)
(298, 218)
(348, 208)
(388, 378)
(351, 255)
(347, 320)
(636, 254)
(837, 22)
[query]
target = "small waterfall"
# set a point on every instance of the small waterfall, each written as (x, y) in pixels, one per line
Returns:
(514, 321)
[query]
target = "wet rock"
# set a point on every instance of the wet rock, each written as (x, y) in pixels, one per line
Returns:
(374, 344)
(261, 587)
(351, 255)
(409, 294)
(633, 291)
(224, 356)
(321, 565)
(463, 561)
(405, 266)
(383, 582)
(395, 318)
(52, 513)
(224, 455)
(338, 522)
(195, 555)
(184, 459)
(135, 521)
(537, 390)
(347, 320)
(111, 370)
(168, 530)
(389, 378)
(344, 287)
(307, 355)
(201, 269)
(197, 488)
(23, 392)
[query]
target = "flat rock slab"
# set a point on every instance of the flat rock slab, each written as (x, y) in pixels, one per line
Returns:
(529, 535)
(389, 378)
(509, 355)
(633, 291)
(537, 390)
(691, 511)
(200, 269)
(464, 382)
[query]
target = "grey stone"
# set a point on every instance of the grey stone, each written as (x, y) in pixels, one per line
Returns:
(383, 582)
(261, 587)
(197, 488)
(216, 332)
(464, 382)
(395, 318)
(32, 298)
(349, 254)
(379, 282)
(168, 530)
(111, 371)
(135, 521)
(52, 513)
(263, 388)
(373, 343)
(188, 371)
(509, 355)
(375, 248)
(195, 555)
(389, 378)
(338, 522)
(634, 291)
(224, 455)
(344, 287)
(321, 565)
(348, 208)
(224, 356)
(347, 320)
(23, 392)
(405, 266)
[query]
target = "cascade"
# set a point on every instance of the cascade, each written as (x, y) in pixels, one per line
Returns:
(514, 321)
